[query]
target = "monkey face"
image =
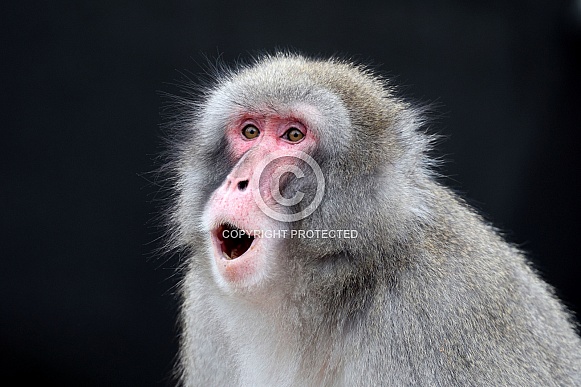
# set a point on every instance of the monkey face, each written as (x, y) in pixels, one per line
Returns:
(244, 238)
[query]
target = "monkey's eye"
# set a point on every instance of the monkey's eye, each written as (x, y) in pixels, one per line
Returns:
(250, 132)
(293, 134)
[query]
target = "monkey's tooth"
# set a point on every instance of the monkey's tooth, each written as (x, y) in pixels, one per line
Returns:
(225, 255)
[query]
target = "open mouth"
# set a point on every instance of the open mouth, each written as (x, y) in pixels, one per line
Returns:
(233, 241)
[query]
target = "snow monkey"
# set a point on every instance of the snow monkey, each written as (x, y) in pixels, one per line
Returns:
(322, 251)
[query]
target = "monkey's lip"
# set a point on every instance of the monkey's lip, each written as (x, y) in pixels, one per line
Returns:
(232, 242)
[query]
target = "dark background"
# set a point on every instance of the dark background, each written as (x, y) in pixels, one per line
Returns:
(84, 299)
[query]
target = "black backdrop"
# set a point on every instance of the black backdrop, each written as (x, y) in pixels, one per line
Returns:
(83, 298)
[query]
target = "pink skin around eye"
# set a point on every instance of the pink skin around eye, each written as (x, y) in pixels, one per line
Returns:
(272, 132)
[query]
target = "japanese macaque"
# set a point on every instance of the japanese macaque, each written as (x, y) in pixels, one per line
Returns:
(322, 251)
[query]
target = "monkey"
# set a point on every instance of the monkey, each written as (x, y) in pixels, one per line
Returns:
(322, 249)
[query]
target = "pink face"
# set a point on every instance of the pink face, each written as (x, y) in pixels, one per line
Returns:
(232, 210)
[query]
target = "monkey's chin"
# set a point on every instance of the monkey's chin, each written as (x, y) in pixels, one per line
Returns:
(235, 254)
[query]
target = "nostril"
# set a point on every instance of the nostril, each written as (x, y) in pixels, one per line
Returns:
(242, 185)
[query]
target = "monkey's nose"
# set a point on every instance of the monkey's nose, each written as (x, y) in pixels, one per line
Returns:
(242, 185)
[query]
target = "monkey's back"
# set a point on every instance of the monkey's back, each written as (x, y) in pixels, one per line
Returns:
(469, 310)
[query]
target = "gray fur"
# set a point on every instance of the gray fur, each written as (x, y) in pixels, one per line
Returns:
(429, 294)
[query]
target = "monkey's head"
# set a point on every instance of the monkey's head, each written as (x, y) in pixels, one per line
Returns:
(281, 157)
